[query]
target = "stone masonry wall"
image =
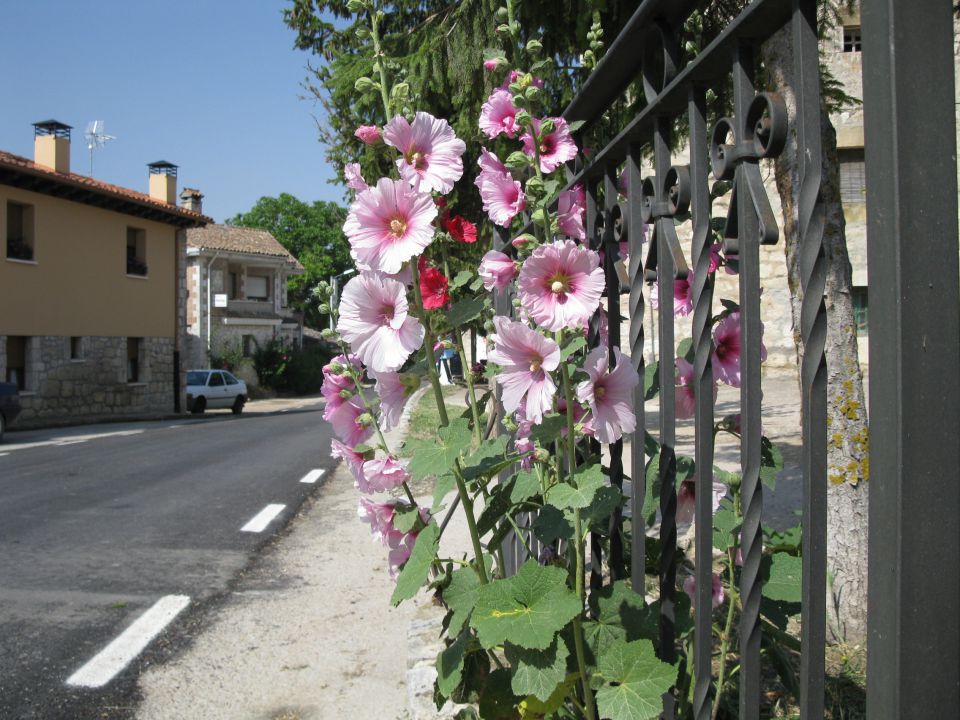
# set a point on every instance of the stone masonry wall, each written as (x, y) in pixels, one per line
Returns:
(63, 390)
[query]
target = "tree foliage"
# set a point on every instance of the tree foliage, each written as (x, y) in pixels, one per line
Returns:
(312, 233)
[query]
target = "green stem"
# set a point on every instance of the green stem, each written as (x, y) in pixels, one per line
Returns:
(725, 638)
(467, 503)
(428, 346)
(578, 637)
(378, 59)
(468, 376)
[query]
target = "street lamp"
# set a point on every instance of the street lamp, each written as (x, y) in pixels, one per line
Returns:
(334, 294)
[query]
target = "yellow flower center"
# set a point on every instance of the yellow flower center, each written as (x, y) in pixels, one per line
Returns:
(398, 227)
(536, 363)
(559, 283)
(599, 392)
(417, 159)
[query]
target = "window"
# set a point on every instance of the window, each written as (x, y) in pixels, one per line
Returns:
(216, 380)
(17, 361)
(851, 39)
(248, 345)
(133, 360)
(861, 314)
(19, 231)
(136, 252)
(234, 287)
(258, 288)
(231, 380)
(853, 181)
(76, 348)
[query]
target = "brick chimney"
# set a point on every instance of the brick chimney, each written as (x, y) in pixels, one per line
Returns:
(192, 199)
(51, 145)
(163, 181)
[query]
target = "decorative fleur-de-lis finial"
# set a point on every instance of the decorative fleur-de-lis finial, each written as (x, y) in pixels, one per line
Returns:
(660, 205)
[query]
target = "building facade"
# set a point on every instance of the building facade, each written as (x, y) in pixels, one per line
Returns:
(92, 300)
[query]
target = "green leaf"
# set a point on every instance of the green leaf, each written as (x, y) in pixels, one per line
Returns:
(634, 681)
(779, 612)
(415, 571)
(651, 499)
(436, 456)
(685, 349)
(497, 505)
(497, 700)
(725, 524)
(461, 279)
(576, 342)
(528, 609)
(526, 486)
(686, 468)
(566, 495)
(450, 664)
(538, 672)
(619, 614)
(493, 448)
(782, 577)
(441, 488)
(551, 524)
(788, 541)
(461, 594)
(404, 520)
(651, 381)
(463, 311)
(597, 514)
(771, 462)
(476, 284)
(575, 125)
(548, 430)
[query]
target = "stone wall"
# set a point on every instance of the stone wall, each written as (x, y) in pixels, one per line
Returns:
(63, 390)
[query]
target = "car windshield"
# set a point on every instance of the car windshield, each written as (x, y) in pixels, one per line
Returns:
(197, 377)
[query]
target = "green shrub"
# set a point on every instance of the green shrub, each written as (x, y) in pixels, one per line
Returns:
(287, 369)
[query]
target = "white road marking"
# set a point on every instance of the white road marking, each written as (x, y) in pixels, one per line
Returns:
(130, 643)
(70, 439)
(263, 518)
(70, 442)
(312, 476)
(4, 454)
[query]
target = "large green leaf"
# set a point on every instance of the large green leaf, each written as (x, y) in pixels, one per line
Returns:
(450, 664)
(551, 524)
(436, 456)
(580, 495)
(498, 701)
(771, 462)
(619, 613)
(528, 609)
(415, 571)
(575, 343)
(463, 311)
(461, 595)
(526, 485)
(597, 514)
(781, 574)
(651, 381)
(634, 681)
(548, 430)
(538, 672)
(725, 525)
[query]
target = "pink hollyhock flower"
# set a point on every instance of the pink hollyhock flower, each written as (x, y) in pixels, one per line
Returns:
(499, 115)
(491, 64)
(716, 592)
(369, 134)
(527, 358)
(336, 379)
(687, 500)
(354, 460)
(609, 394)
(521, 438)
(715, 257)
(685, 398)
(388, 224)
(374, 320)
(497, 270)
(430, 149)
(571, 212)
(603, 327)
(355, 181)
(460, 229)
(560, 285)
(555, 148)
(393, 393)
(490, 163)
(726, 350)
(682, 296)
(502, 196)
(346, 425)
(383, 475)
(378, 515)
(433, 286)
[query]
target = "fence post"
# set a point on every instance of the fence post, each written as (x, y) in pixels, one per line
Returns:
(910, 130)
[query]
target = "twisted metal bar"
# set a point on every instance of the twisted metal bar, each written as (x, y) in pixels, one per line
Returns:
(813, 329)
(593, 340)
(703, 386)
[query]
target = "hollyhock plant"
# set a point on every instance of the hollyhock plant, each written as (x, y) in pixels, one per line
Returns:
(368, 134)
(393, 393)
(433, 285)
(379, 515)
(354, 460)
(560, 285)
(526, 358)
(388, 224)
(355, 181)
(337, 378)
(726, 350)
(346, 422)
(682, 296)
(716, 593)
(555, 148)
(382, 475)
(430, 151)
(502, 196)
(498, 116)
(374, 320)
(687, 500)
(497, 270)
(571, 212)
(609, 394)
(518, 76)
(685, 397)
(460, 229)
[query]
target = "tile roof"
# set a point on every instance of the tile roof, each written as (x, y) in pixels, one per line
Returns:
(25, 173)
(233, 238)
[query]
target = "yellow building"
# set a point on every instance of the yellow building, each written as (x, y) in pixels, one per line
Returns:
(92, 296)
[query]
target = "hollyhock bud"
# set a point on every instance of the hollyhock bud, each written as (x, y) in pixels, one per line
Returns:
(525, 242)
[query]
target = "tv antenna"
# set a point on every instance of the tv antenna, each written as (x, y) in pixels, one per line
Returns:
(96, 138)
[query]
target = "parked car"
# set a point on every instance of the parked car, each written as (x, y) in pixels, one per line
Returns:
(215, 389)
(9, 405)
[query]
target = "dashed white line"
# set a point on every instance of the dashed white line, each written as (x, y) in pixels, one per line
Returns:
(4, 454)
(263, 518)
(312, 476)
(70, 442)
(130, 643)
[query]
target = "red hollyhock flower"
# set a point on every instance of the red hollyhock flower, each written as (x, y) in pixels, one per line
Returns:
(460, 229)
(433, 286)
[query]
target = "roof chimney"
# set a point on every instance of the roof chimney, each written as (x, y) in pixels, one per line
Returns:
(163, 181)
(51, 145)
(192, 199)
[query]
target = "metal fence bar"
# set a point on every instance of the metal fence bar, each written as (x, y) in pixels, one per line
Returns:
(813, 372)
(751, 494)
(914, 567)
(703, 388)
(638, 461)
(593, 340)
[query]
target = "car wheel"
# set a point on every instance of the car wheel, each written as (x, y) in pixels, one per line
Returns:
(199, 405)
(238, 405)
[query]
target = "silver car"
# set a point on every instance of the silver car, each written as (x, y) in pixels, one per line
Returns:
(215, 389)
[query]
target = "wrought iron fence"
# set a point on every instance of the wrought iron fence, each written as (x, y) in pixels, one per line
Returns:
(914, 645)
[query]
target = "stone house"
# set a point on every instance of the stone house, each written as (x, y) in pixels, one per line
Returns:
(92, 301)
(236, 280)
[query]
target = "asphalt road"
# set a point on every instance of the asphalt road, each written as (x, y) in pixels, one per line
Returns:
(99, 524)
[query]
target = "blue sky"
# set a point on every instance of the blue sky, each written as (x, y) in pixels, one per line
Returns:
(213, 86)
